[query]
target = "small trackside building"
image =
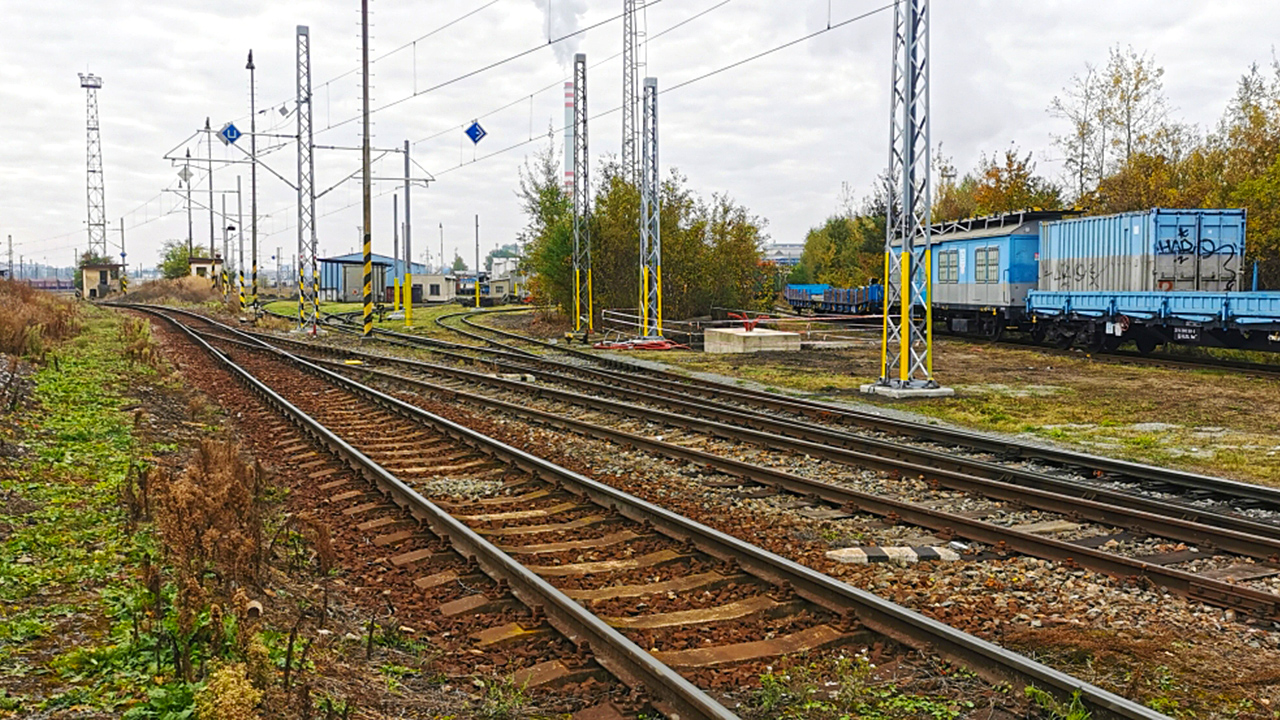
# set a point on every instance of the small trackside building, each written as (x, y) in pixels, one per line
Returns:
(342, 278)
(100, 279)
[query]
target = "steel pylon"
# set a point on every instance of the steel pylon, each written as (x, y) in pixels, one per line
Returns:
(96, 189)
(650, 213)
(630, 99)
(583, 308)
(907, 338)
(308, 297)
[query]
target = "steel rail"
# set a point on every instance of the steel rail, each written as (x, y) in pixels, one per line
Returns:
(670, 691)
(1003, 447)
(1043, 492)
(886, 618)
(1253, 602)
(947, 524)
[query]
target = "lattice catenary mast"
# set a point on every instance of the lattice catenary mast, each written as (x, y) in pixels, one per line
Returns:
(906, 355)
(630, 156)
(96, 189)
(650, 213)
(584, 310)
(307, 297)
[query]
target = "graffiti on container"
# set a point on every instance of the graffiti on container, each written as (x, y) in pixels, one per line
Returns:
(1081, 275)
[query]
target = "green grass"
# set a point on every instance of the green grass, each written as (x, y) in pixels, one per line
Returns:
(66, 567)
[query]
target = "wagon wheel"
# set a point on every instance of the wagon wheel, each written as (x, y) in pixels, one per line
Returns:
(1147, 343)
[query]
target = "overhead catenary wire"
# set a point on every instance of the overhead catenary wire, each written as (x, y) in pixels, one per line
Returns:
(485, 68)
(559, 83)
(677, 86)
(685, 83)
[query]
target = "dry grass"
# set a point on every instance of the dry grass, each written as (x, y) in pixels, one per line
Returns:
(32, 319)
(183, 290)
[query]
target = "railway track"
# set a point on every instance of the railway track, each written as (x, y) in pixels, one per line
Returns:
(1196, 489)
(1117, 523)
(532, 531)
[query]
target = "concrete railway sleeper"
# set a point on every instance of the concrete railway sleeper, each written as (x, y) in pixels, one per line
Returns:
(1258, 540)
(637, 376)
(852, 607)
(1105, 501)
(1250, 602)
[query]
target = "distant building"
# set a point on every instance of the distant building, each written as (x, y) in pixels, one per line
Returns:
(100, 280)
(206, 267)
(784, 254)
(342, 278)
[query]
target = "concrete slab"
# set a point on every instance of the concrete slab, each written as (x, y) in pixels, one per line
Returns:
(739, 340)
(906, 393)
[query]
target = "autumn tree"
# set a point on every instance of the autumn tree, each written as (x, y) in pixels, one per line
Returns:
(711, 249)
(1134, 108)
(1081, 105)
(1009, 183)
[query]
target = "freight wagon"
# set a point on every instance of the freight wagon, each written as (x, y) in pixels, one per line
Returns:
(1154, 277)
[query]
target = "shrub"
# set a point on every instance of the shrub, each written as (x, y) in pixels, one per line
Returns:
(33, 318)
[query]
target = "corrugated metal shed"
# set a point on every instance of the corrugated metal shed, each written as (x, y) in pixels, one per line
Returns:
(334, 273)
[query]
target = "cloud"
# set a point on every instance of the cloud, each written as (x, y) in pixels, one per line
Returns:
(561, 17)
(779, 134)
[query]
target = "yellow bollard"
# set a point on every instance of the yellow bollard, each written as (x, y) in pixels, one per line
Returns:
(408, 300)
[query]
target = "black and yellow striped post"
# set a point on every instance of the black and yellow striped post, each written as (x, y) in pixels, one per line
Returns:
(368, 283)
(302, 296)
(226, 283)
(124, 283)
(366, 162)
(241, 273)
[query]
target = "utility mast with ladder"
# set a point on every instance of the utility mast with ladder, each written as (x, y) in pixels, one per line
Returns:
(906, 353)
(96, 189)
(583, 308)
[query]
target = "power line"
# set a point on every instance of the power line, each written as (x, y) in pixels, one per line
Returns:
(683, 84)
(560, 82)
(486, 68)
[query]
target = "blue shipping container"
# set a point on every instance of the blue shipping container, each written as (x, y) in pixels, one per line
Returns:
(1156, 250)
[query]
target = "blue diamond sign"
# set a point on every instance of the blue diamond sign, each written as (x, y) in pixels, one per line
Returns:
(476, 133)
(229, 134)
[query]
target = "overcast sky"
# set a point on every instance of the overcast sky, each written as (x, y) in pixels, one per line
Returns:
(779, 135)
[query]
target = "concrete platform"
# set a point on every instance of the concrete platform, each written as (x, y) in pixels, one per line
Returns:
(739, 340)
(906, 393)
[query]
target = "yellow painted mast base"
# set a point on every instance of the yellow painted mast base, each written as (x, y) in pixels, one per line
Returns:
(408, 299)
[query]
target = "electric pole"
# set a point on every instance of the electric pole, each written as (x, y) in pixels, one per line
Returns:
(124, 262)
(630, 163)
(240, 239)
(650, 218)
(306, 184)
(186, 179)
(253, 180)
(583, 310)
(226, 252)
(906, 365)
(96, 192)
(408, 244)
(477, 260)
(208, 140)
(366, 184)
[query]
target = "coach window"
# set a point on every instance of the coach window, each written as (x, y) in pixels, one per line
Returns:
(993, 264)
(980, 265)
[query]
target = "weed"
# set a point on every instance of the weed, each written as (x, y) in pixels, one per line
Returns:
(228, 695)
(1073, 710)
(33, 319)
(503, 699)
